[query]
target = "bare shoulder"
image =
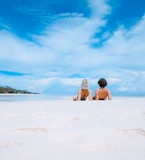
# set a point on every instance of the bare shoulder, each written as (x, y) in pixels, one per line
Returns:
(80, 91)
(107, 90)
(103, 91)
(97, 90)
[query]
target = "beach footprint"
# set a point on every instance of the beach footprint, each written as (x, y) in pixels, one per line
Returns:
(8, 144)
(133, 130)
(75, 119)
(45, 129)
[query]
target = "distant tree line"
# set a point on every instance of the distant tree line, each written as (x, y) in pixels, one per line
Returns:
(8, 89)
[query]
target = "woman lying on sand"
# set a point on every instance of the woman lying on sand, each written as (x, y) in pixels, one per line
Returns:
(84, 92)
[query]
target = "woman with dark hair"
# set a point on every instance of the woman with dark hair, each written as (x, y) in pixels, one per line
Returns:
(84, 92)
(102, 93)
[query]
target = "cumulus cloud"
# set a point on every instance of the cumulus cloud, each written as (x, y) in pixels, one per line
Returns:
(127, 45)
(99, 8)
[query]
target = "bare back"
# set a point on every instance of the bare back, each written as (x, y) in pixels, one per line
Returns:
(102, 94)
(83, 94)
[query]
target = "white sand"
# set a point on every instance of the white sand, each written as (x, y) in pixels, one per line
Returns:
(67, 130)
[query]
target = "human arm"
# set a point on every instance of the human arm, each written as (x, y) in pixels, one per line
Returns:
(79, 95)
(90, 95)
(96, 95)
(109, 95)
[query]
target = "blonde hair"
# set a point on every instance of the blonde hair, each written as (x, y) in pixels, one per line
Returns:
(84, 84)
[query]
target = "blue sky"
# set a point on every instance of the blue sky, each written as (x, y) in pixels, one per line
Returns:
(50, 46)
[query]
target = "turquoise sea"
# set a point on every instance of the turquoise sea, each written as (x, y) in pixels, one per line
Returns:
(39, 97)
(31, 97)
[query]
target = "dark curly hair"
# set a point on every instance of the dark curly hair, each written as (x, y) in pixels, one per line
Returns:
(102, 82)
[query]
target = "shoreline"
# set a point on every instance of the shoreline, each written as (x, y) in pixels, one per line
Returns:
(49, 97)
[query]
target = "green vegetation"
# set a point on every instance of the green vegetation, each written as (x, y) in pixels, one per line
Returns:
(8, 89)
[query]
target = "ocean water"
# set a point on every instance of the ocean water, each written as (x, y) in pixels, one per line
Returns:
(31, 97)
(38, 97)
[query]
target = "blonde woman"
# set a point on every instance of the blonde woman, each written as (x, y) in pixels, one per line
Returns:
(84, 92)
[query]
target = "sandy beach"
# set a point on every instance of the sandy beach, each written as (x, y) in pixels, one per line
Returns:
(72, 130)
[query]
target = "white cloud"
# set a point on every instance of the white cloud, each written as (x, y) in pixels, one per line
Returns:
(65, 49)
(99, 8)
(128, 41)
